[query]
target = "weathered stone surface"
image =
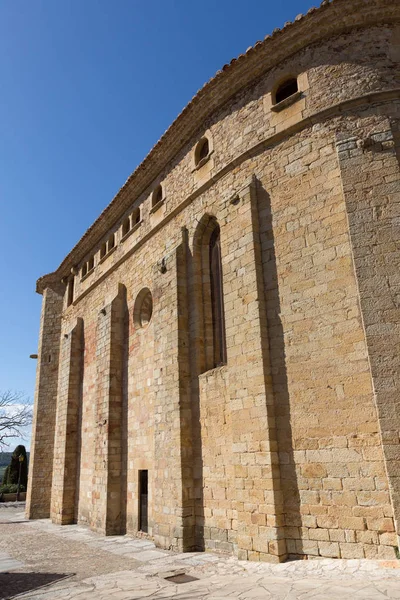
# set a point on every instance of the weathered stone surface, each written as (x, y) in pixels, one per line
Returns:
(290, 444)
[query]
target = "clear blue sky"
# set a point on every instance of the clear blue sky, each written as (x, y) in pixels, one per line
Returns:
(87, 88)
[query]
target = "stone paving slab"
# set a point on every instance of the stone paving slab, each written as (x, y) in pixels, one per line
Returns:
(131, 569)
(128, 586)
(148, 555)
(9, 564)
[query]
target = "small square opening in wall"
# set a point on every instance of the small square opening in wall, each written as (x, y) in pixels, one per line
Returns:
(181, 578)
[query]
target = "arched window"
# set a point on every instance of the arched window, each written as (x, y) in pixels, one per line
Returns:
(202, 151)
(126, 225)
(70, 292)
(136, 216)
(157, 196)
(286, 88)
(207, 285)
(111, 242)
(217, 300)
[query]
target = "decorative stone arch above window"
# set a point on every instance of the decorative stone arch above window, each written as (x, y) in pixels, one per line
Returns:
(202, 151)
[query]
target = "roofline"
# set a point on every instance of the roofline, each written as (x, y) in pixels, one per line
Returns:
(331, 18)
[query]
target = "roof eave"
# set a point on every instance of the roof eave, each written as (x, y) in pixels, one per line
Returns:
(332, 18)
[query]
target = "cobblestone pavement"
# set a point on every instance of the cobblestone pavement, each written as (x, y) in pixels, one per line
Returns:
(40, 560)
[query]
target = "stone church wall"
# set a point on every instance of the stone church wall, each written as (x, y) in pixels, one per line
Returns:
(292, 446)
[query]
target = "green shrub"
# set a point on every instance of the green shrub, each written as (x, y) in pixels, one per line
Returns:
(11, 488)
(12, 471)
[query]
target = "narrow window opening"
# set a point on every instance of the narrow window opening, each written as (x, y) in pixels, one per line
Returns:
(136, 216)
(111, 243)
(143, 500)
(126, 225)
(84, 270)
(286, 89)
(91, 263)
(202, 151)
(103, 250)
(157, 195)
(70, 297)
(217, 299)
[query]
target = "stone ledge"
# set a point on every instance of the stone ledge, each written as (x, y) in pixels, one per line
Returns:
(287, 102)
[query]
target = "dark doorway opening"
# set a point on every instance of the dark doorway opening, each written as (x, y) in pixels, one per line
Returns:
(143, 500)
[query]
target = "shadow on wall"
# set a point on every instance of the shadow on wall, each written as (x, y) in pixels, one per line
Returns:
(190, 358)
(12, 584)
(79, 430)
(124, 417)
(275, 347)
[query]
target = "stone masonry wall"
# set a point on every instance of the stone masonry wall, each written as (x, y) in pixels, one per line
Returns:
(247, 119)
(371, 187)
(107, 472)
(68, 425)
(290, 448)
(43, 427)
(220, 518)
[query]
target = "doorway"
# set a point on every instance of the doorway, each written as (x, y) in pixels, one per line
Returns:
(143, 500)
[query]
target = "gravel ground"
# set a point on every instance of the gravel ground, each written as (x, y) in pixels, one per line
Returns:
(48, 558)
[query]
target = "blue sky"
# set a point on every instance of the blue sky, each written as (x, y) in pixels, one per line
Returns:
(87, 88)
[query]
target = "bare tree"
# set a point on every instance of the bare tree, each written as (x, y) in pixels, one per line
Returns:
(15, 415)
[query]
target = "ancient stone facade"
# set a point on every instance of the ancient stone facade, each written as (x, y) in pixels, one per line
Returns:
(219, 354)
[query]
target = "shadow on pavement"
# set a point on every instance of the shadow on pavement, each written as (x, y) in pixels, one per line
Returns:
(12, 584)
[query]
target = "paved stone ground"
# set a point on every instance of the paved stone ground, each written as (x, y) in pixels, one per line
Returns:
(39, 560)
